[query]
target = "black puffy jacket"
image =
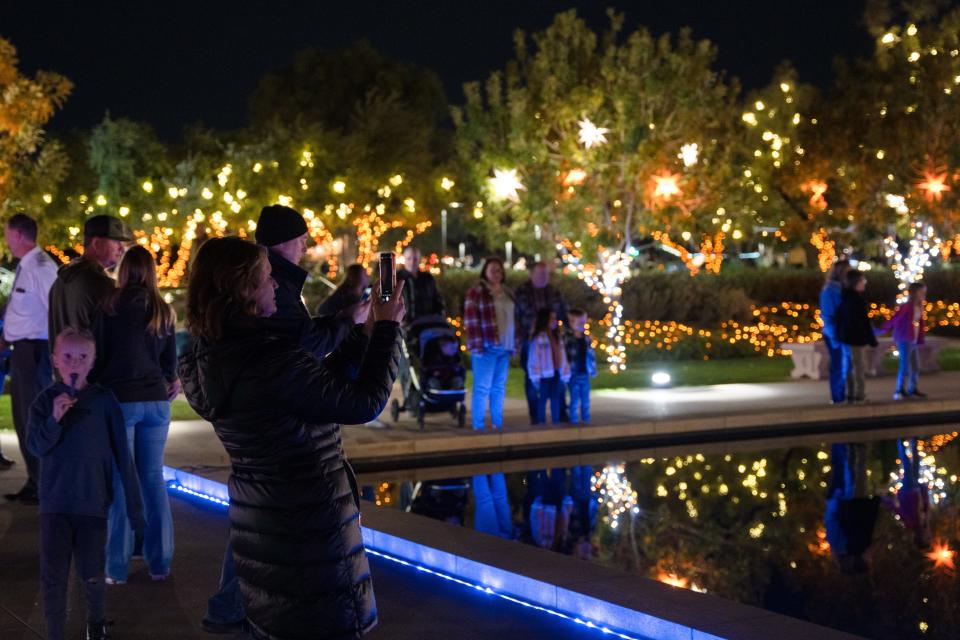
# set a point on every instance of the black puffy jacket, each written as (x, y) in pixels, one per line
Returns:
(295, 522)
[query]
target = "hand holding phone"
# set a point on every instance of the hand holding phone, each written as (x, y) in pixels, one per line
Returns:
(388, 276)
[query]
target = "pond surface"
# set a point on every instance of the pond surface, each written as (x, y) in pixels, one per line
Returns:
(878, 558)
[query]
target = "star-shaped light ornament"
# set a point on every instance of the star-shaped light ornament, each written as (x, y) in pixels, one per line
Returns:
(942, 556)
(933, 185)
(591, 135)
(666, 185)
(505, 185)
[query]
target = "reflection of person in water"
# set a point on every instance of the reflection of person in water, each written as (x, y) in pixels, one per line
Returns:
(912, 502)
(444, 500)
(492, 506)
(850, 515)
(560, 517)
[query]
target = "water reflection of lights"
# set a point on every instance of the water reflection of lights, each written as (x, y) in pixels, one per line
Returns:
(934, 477)
(615, 492)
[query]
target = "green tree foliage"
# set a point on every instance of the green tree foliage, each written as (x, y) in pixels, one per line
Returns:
(652, 95)
(30, 167)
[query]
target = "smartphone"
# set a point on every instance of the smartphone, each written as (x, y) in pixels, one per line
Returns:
(388, 276)
(366, 294)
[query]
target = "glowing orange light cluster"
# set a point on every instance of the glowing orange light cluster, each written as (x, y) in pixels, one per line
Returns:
(933, 185)
(826, 249)
(816, 189)
(942, 556)
(665, 185)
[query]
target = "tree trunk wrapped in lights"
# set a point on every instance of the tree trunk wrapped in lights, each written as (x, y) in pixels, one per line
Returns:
(596, 140)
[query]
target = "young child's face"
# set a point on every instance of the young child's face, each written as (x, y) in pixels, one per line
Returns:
(449, 348)
(71, 357)
(578, 323)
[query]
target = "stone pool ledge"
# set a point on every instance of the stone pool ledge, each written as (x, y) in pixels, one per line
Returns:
(397, 449)
(633, 605)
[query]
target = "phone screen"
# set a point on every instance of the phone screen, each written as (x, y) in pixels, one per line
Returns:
(366, 294)
(387, 276)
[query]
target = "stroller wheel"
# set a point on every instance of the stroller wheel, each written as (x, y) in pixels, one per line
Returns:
(395, 410)
(462, 416)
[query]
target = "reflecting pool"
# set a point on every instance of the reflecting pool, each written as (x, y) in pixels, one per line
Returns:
(860, 536)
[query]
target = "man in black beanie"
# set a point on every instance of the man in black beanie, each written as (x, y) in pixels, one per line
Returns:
(283, 231)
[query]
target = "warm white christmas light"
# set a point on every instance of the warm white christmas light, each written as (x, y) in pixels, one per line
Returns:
(506, 185)
(591, 135)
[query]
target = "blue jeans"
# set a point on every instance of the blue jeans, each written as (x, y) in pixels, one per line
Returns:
(491, 512)
(490, 369)
(550, 390)
(226, 605)
(147, 426)
(909, 371)
(839, 368)
(579, 397)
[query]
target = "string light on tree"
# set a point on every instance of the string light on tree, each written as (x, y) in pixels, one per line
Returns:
(924, 245)
(607, 278)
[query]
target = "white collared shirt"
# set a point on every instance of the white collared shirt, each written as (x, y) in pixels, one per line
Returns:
(26, 314)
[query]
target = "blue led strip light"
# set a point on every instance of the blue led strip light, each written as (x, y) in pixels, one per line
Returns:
(480, 587)
(175, 486)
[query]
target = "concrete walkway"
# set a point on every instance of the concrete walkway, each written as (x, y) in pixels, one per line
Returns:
(412, 605)
(621, 420)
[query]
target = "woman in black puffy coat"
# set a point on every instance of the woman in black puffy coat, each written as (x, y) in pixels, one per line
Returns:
(295, 521)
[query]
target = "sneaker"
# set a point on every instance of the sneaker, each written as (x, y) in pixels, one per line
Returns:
(96, 631)
(114, 582)
(898, 396)
(919, 394)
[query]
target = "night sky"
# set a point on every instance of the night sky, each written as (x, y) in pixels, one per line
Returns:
(179, 63)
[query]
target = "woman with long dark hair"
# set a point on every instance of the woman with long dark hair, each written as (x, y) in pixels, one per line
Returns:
(294, 504)
(488, 319)
(138, 362)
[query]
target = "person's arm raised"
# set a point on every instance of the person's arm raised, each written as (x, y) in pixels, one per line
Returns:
(321, 393)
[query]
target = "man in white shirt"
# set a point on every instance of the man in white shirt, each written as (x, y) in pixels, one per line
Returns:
(25, 329)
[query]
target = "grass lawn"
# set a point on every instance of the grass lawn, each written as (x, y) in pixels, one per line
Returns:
(637, 376)
(179, 410)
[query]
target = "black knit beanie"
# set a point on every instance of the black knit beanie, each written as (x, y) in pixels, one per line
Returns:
(278, 224)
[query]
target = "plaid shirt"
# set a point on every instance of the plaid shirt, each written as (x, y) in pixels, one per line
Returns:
(527, 308)
(480, 318)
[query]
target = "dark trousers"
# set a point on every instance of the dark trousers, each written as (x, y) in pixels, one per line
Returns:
(226, 605)
(551, 391)
(30, 373)
(529, 390)
(66, 537)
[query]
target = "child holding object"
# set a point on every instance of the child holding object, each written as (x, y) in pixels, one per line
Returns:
(77, 431)
(908, 327)
(583, 365)
(855, 332)
(547, 365)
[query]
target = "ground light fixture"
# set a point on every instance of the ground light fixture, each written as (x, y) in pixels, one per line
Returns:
(214, 493)
(660, 378)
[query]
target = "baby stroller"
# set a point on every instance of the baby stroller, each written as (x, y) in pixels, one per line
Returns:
(423, 363)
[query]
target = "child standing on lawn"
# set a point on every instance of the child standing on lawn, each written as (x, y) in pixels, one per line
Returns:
(77, 431)
(856, 332)
(583, 365)
(547, 365)
(908, 326)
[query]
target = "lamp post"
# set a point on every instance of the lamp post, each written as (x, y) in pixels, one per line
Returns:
(443, 236)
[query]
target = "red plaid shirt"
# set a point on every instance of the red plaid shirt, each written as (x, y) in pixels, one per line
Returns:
(480, 317)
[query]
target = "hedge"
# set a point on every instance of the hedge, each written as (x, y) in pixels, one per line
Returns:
(704, 301)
